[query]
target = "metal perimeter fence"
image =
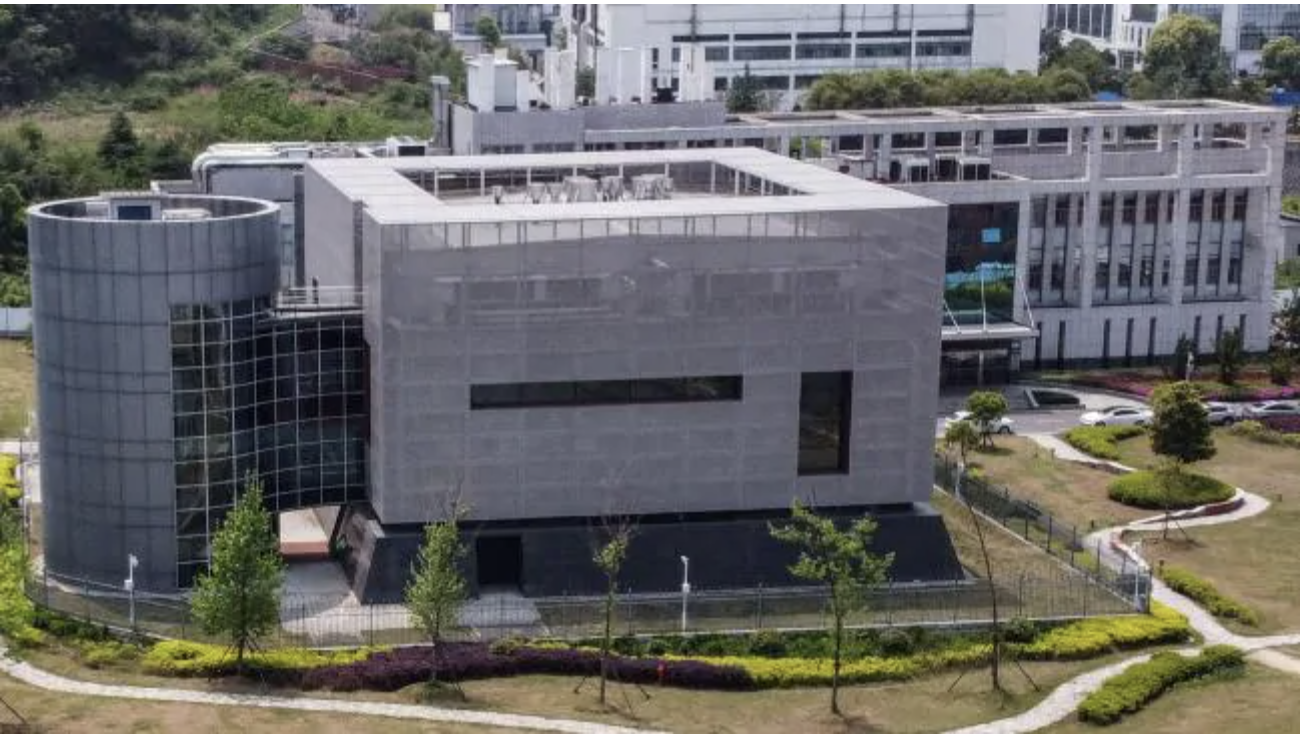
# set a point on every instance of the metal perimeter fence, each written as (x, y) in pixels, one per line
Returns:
(320, 621)
(1130, 582)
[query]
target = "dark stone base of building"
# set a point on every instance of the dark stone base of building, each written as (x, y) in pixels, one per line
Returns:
(554, 557)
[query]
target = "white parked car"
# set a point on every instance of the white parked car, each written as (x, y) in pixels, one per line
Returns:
(1272, 407)
(1117, 415)
(1003, 425)
(1222, 414)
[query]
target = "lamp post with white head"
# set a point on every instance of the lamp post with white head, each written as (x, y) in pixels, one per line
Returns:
(129, 585)
(686, 588)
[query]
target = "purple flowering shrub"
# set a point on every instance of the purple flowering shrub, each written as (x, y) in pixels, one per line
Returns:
(396, 669)
(1283, 423)
(1252, 388)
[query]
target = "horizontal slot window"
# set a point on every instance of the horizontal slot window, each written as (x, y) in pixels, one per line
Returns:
(606, 392)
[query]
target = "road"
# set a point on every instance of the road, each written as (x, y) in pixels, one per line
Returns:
(1039, 421)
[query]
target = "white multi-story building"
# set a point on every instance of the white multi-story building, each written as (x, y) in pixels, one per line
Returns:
(1122, 29)
(789, 46)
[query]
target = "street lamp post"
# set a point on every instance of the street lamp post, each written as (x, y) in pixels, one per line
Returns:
(129, 585)
(1191, 366)
(686, 588)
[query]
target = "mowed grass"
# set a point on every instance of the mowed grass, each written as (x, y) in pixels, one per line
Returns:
(17, 387)
(1070, 491)
(1264, 701)
(887, 707)
(1253, 561)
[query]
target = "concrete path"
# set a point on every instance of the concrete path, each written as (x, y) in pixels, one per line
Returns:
(1062, 450)
(51, 682)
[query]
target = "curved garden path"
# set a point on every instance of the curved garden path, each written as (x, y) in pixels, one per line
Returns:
(1063, 701)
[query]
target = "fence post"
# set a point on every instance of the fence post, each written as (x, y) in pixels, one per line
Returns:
(760, 606)
(1047, 545)
(372, 624)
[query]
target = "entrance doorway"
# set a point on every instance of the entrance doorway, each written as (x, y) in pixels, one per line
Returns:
(500, 561)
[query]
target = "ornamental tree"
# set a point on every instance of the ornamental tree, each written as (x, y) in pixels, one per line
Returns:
(839, 560)
(239, 595)
(436, 590)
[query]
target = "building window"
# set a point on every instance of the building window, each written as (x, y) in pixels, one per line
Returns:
(825, 416)
(1060, 346)
(1124, 278)
(822, 51)
(1128, 213)
(1106, 210)
(761, 53)
(1191, 271)
(1196, 209)
(1105, 343)
(717, 53)
(1035, 276)
(883, 50)
(1151, 208)
(1218, 206)
(1128, 344)
(1061, 216)
(1196, 335)
(950, 139)
(1234, 270)
(605, 392)
(943, 48)
(1053, 136)
(1239, 202)
(1011, 137)
(907, 141)
(1212, 270)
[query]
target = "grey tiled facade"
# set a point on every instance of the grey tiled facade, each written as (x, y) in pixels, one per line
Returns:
(747, 330)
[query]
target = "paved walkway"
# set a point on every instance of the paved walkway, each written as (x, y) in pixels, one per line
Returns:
(51, 682)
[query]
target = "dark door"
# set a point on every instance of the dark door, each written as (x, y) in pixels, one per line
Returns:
(500, 561)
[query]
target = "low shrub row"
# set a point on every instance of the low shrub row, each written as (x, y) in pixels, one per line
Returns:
(191, 659)
(1101, 635)
(390, 671)
(799, 672)
(1100, 441)
(10, 489)
(1263, 433)
(1204, 593)
(891, 642)
(1168, 490)
(1133, 689)
(1252, 388)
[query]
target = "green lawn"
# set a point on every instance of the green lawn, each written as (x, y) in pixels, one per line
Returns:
(1068, 490)
(1264, 701)
(1253, 561)
(17, 387)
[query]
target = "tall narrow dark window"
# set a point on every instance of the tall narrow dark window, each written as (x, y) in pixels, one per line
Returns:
(1151, 342)
(1060, 347)
(1105, 343)
(1128, 344)
(825, 414)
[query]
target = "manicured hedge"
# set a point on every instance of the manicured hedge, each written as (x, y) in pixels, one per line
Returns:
(390, 671)
(1146, 489)
(1133, 689)
(1101, 635)
(1099, 441)
(799, 672)
(1203, 592)
(10, 489)
(185, 659)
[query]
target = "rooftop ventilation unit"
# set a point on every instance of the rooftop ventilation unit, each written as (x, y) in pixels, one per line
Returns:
(611, 188)
(537, 192)
(97, 209)
(406, 147)
(580, 188)
(651, 186)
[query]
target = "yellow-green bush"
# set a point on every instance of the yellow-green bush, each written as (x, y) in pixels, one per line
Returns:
(797, 672)
(1204, 593)
(1133, 689)
(10, 489)
(181, 658)
(1100, 635)
(105, 653)
(1099, 441)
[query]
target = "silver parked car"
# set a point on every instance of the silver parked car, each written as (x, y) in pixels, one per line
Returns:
(1117, 415)
(1271, 408)
(1222, 414)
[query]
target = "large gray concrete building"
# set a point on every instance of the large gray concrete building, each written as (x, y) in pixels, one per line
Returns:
(690, 337)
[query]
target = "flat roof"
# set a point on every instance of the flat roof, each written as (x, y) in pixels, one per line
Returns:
(391, 197)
